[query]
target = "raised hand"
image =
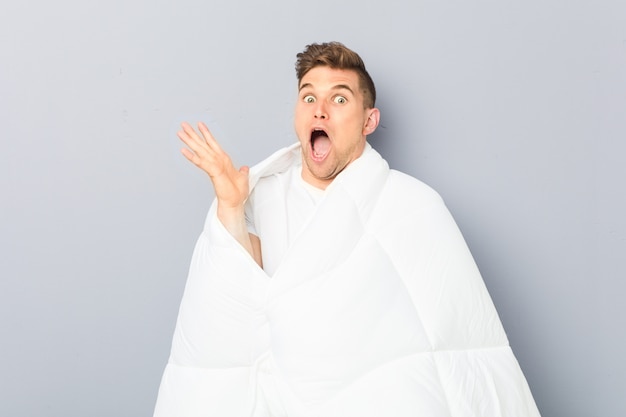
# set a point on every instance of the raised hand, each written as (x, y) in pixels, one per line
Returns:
(231, 184)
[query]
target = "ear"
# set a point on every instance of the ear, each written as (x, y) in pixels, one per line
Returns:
(371, 123)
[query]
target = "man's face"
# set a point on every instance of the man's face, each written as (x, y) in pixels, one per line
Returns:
(331, 123)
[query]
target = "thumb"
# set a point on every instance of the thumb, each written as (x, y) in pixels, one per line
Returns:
(245, 170)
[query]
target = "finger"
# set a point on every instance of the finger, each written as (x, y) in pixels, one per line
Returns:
(204, 162)
(208, 137)
(189, 136)
(191, 133)
(189, 155)
(194, 144)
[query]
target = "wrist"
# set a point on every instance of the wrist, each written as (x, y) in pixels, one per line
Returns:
(231, 216)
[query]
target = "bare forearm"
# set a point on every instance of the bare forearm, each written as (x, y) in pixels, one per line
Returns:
(230, 184)
(234, 221)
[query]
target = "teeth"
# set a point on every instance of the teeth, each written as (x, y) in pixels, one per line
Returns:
(316, 133)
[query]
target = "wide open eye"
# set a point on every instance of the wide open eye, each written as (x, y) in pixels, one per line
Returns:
(309, 99)
(340, 100)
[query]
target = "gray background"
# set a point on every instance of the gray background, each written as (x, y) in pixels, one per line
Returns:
(514, 111)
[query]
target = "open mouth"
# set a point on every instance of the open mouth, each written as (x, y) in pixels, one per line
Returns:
(320, 144)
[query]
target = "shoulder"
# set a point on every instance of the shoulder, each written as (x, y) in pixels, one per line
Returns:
(406, 191)
(410, 209)
(405, 204)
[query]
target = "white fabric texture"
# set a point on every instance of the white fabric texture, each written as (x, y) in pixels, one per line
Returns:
(375, 309)
(300, 200)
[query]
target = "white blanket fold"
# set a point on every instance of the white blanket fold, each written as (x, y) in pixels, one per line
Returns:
(377, 308)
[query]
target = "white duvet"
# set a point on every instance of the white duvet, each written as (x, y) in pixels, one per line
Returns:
(377, 309)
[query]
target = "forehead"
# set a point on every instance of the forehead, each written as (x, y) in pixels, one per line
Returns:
(324, 77)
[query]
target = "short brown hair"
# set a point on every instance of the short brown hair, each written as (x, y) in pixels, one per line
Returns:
(337, 56)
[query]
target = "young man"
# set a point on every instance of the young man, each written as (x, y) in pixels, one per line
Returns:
(326, 284)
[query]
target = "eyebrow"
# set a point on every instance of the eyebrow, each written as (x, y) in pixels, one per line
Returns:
(336, 87)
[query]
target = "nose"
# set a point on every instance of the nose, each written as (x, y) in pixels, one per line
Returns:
(320, 112)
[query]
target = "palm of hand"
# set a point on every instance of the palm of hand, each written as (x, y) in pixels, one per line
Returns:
(231, 184)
